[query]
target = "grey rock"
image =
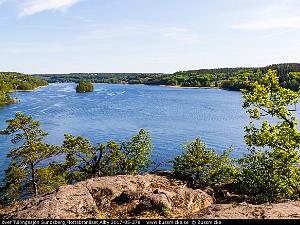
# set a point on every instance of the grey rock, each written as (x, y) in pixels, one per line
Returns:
(112, 197)
(282, 210)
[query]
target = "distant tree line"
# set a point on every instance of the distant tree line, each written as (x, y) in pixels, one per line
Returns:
(226, 78)
(11, 81)
(95, 77)
(269, 172)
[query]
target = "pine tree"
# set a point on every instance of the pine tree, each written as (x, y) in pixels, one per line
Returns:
(25, 175)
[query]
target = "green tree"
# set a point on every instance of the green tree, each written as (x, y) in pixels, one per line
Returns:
(203, 166)
(84, 86)
(25, 175)
(269, 172)
(79, 154)
(84, 161)
(135, 154)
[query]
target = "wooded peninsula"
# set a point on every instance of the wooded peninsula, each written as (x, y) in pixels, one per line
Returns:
(12, 81)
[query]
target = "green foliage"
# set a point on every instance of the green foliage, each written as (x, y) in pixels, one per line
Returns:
(10, 81)
(84, 86)
(79, 155)
(14, 184)
(30, 172)
(5, 99)
(267, 177)
(291, 81)
(136, 153)
(241, 80)
(85, 161)
(24, 177)
(269, 172)
(202, 166)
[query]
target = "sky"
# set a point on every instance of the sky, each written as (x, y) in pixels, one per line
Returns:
(64, 36)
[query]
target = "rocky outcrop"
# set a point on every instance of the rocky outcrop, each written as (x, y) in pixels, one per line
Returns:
(147, 196)
(114, 197)
(283, 210)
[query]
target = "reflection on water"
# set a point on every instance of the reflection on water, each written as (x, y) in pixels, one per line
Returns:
(172, 116)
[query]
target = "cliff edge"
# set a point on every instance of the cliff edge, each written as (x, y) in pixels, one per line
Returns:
(142, 196)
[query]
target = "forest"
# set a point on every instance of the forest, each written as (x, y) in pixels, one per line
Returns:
(95, 77)
(11, 81)
(226, 78)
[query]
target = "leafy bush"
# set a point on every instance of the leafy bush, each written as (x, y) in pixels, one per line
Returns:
(84, 161)
(135, 154)
(266, 177)
(202, 166)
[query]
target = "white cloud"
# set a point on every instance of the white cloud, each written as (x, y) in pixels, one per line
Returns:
(182, 35)
(273, 23)
(280, 14)
(30, 7)
(168, 33)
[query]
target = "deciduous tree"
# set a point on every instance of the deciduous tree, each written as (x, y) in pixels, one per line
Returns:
(269, 171)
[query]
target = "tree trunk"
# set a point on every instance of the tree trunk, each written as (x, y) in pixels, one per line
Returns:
(33, 179)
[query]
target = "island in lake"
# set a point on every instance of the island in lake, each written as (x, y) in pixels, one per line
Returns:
(85, 86)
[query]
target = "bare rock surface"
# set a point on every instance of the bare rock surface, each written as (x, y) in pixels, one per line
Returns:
(283, 210)
(147, 196)
(114, 197)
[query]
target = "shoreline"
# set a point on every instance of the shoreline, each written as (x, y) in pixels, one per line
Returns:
(192, 87)
(160, 85)
(14, 100)
(12, 91)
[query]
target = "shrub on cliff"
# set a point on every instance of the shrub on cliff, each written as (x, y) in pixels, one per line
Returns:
(136, 152)
(84, 161)
(202, 166)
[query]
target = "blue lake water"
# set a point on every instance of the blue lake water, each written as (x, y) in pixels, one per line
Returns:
(172, 116)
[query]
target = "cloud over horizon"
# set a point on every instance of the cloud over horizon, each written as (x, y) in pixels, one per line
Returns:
(274, 23)
(163, 31)
(31, 7)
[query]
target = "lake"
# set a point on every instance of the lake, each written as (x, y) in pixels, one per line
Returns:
(114, 111)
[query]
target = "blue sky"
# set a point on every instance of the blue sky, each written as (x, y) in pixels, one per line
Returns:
(62, 36)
